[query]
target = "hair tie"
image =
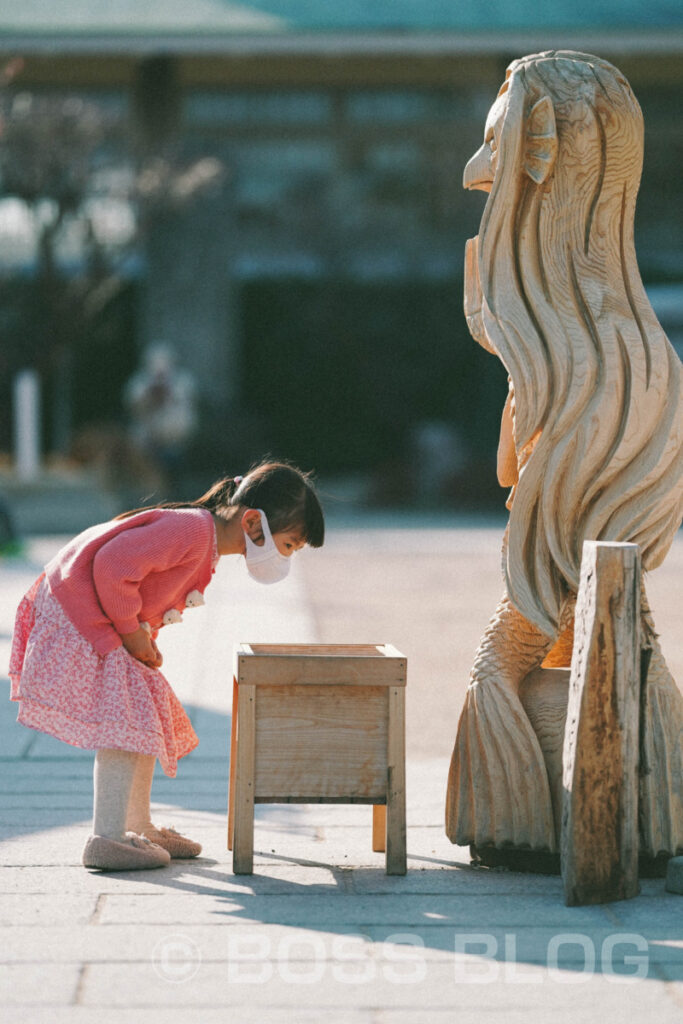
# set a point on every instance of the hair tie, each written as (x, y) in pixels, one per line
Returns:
(237, 480)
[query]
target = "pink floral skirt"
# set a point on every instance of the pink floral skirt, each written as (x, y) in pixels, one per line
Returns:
(65, 688)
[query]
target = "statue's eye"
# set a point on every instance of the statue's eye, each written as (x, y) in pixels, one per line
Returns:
(490, 141)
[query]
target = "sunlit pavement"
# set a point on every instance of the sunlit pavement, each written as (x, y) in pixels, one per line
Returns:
(319, 931)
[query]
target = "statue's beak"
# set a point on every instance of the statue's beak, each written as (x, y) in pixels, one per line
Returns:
(477, 174)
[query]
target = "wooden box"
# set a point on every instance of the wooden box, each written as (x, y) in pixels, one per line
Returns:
(319, 723)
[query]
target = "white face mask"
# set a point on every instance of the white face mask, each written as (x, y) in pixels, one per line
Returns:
(265, 563)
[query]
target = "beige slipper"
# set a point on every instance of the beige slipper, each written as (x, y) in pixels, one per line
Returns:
(132, 853)
(178, 846)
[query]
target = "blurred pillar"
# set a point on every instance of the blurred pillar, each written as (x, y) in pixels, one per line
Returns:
(187, 297)
(27, 425)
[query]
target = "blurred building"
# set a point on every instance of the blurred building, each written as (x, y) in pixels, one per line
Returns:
(318, 290)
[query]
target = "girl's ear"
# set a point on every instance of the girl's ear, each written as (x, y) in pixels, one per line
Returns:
(251, 523)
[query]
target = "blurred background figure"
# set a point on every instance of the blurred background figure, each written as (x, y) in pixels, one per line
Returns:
(161, 402)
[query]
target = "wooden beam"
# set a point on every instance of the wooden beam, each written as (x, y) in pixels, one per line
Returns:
(379, 828)
(243, 827)
(233, 763)
(600, 758)
(396, 855)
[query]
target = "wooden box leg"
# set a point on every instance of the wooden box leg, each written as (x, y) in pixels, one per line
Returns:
(396, 859)
(233, 759)
(243, 822)
(379, 828)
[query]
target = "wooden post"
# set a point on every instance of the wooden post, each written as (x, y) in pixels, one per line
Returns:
(600, 758)
(396, 856)
(233, 763)
(379, 828)
(243, 823)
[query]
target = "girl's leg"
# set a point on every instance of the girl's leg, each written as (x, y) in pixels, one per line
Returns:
(111, 848)
(113, 779)
(138, 817)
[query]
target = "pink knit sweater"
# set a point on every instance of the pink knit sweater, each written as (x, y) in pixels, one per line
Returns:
(115, 575)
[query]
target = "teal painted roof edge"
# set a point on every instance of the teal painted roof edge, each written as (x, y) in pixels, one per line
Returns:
(164, 17)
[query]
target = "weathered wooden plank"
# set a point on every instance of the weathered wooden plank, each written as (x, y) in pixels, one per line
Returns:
(600, 777)
(243, 833)
(396, 859)
(302, 669)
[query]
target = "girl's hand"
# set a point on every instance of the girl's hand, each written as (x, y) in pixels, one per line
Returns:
(141, 646)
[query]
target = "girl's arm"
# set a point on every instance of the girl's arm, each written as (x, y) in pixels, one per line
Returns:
(124, 561)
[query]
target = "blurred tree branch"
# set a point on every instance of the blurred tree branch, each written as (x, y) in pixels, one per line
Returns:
(62, 154)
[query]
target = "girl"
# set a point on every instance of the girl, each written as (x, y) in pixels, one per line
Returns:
(84, 663)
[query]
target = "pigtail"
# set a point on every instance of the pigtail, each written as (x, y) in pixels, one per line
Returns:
(219, 495)
(215, 499)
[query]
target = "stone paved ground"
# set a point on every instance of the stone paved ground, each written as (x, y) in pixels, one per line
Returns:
(319, 932)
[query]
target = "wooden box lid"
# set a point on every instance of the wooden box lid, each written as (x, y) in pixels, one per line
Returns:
(321, 664)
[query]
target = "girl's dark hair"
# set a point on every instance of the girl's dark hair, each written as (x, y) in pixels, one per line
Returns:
(284, 493)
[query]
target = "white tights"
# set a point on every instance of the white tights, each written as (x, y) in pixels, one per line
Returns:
(122, 782)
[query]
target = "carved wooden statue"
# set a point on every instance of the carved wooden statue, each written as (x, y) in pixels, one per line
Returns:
(592, 432)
